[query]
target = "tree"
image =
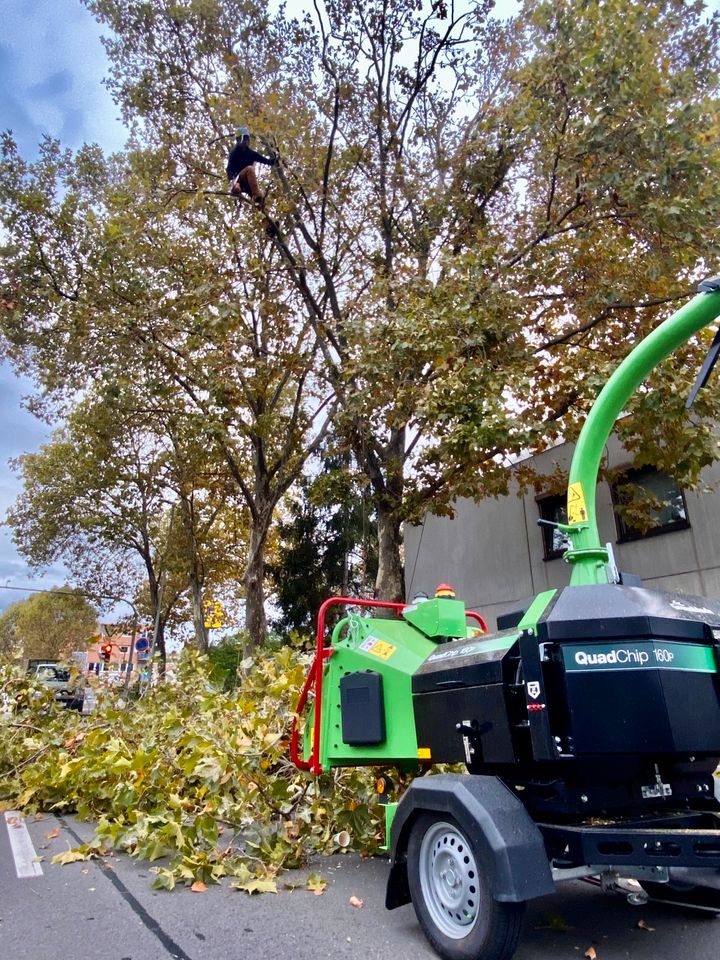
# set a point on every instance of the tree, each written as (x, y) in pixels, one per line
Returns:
(465, 213)
(326, 546)
(50, 625)
(168, 316)
(463, 207)
(9, 641)
(100, 498)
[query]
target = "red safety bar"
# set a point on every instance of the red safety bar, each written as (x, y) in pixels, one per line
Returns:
(479, 617)
(315, 677)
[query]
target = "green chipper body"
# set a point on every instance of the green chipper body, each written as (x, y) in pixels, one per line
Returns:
(590, 729)
(366, 683)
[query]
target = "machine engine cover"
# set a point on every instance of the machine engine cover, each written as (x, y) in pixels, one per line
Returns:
(631, 670)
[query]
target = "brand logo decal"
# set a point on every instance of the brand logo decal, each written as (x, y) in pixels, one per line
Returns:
(533, 689)
(584, 659)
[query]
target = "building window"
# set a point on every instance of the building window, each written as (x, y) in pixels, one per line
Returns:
(555, 542)
(648, 502)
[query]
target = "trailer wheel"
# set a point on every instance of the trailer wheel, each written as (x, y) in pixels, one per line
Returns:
(452, 896)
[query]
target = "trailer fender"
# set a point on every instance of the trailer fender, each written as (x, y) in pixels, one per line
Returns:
(509, 842)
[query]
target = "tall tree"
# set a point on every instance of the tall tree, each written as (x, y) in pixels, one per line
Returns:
(120, 503)
(326, 544)
(164, 302)
(461, 206)
(465, 214)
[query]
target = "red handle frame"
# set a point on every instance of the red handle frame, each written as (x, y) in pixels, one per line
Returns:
(315, 676)
(315, 679)
(479, 617)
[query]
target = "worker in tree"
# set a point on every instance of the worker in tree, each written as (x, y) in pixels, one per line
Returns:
(240, 167)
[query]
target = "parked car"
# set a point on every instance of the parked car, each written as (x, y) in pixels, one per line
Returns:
(67, 687)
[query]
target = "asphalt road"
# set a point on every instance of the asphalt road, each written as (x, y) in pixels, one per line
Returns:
(107, 911)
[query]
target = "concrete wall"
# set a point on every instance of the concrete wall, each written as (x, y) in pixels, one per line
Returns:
(492, 551)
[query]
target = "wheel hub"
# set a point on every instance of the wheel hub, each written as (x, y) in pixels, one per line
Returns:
(448, 876)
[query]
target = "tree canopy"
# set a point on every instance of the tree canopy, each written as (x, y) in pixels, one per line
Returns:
(49, 624)
(470, 222)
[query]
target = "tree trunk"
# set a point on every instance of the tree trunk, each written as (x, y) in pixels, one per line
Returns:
(160, 649)
(255, 620)
(390, 584)
(201, 633)
(386, 468)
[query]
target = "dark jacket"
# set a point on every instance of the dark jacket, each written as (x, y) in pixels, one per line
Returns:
(242, 156)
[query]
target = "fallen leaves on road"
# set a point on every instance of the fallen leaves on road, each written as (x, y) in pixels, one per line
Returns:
(644, 926)
(199, 887)
(257, 886)
(68, 856)
(316, 884)
(51, 834)
(356, 902)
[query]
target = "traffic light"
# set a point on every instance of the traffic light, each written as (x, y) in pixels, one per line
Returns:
(106, 651)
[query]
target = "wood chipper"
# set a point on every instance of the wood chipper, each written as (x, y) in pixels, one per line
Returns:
(590, 730)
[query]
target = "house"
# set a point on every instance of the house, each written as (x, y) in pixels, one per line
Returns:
(120, 642)
(496, 556)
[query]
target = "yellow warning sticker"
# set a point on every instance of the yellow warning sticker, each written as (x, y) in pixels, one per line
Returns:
(382, 649)
(424, 753)
(576, 507)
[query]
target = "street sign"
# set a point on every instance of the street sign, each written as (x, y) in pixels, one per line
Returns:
(142, 644)
(214, 615)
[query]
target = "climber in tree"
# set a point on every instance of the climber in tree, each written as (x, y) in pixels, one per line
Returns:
(240, 167)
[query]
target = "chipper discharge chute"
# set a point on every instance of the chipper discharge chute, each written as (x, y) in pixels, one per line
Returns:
(590, 730)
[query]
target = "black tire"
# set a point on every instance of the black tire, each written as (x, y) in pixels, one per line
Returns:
(703, 901)
(452, 897)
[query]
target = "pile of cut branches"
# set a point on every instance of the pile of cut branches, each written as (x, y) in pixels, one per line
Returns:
(188, 773)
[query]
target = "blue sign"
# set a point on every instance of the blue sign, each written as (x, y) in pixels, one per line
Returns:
(142, 643)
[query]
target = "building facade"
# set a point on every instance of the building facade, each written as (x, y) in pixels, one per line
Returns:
(496, 556)
(120, 660)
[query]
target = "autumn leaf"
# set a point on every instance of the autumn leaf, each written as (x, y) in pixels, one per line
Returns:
(257, 886)
(591, 953)
(199, 887)
(69, 856)
(356, 902)
(316, 884)
(644, 926)
(52, 834)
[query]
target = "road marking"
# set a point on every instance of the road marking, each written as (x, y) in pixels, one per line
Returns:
(23, 851)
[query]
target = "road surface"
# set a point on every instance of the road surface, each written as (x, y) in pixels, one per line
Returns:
(107, 911)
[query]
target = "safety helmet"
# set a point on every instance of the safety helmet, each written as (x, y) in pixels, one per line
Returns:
(242, 132)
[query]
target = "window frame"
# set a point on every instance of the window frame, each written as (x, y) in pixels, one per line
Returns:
(627, 534)
(549, 553)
